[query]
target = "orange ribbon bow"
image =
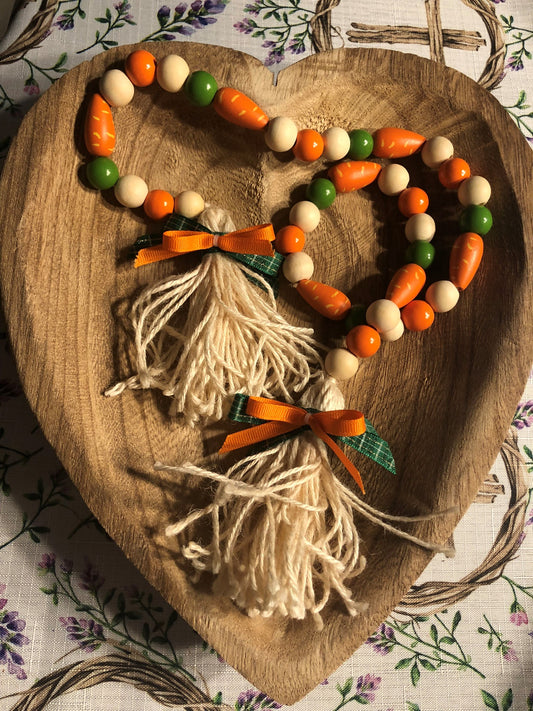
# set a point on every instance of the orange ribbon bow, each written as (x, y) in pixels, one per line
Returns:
(284, 418)
(251, 240)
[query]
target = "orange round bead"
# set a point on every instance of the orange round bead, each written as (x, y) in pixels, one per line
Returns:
(417, 315)
(140, 67)
(290, 239)
(309, 145)
(363, 341)
(452, 173)
(158, 204)
(412, 201)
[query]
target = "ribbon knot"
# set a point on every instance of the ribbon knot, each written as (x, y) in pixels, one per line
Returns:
(251, 240)
(282, 418)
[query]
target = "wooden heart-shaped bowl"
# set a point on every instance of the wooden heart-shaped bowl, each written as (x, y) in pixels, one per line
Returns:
(442, 398)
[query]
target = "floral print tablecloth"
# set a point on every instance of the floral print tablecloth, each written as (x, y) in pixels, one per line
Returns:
(74, 614)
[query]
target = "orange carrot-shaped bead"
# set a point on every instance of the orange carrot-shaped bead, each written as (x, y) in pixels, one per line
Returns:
(406, 284)
(99, 127)
(238, 108)
(353, 174)
(465, 259)
(396, 143)
(325, 299)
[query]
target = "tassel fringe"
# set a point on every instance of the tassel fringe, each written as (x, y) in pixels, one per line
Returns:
(233, 339)
(284, 537)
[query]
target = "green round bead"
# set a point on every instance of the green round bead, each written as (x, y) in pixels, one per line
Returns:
(361, 144)
(421, 253)
(356, 316)
(475, 218)
(201, 88)
(322, 192)
(102, 173)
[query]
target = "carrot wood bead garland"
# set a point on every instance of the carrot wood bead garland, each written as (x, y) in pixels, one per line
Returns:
(283, 532)
(233, 339)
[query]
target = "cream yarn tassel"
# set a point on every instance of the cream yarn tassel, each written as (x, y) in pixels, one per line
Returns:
(284, 539)
(233, 340)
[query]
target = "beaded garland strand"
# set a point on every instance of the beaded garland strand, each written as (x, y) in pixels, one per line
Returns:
(385, 319)
(284, 535)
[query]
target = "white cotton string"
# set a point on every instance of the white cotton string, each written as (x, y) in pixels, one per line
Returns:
(233, 339)
(284, 539)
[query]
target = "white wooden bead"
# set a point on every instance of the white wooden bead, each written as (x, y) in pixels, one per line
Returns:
(298, 266)
(280, 134)
(189, 204)
(336, 143)
(171, 72)
(305, 215)
(392, 179)
(420, 228)
(116, 88)
(131, 191)
(341, 364)
(474, 191)
(442, 296)
(383, 314)
(394, 334)
(436, 150)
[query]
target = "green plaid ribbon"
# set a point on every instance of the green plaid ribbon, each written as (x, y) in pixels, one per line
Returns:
(369, 443)
(267, 267)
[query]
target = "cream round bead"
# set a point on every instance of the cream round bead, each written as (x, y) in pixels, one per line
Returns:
(474, 191)
(131, 191)
(189, 204)
(171, 72)
(305, 215)
(420, 228)
(392, 179)
(116, 88)
(336, 143)
(280, 134)
(298, 266)
(394, 333)
(442, 296)
(436, 150)
(341, 364)
(383, 314)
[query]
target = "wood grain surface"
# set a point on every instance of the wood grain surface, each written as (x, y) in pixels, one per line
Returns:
(443, 398)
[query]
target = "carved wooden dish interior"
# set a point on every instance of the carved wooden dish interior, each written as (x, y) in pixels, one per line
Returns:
(442, 398)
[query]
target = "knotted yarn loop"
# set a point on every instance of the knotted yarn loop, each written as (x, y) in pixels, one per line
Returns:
(282, 418)
(251, 240)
